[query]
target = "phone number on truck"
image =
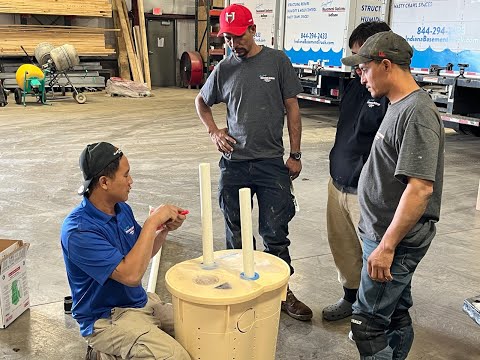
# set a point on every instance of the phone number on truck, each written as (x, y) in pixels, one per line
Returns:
(434, 30)
(313, 35)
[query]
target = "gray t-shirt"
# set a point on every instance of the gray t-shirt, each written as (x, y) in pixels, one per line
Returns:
(254, 90)
(409, 143)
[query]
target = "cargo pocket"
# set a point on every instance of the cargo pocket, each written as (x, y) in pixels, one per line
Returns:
(129, 327)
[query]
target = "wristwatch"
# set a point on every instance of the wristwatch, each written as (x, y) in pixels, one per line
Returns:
(296, 155)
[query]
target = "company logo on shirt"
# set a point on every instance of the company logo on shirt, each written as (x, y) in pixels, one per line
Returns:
(266, 78)
(371, 103)
(130, 230)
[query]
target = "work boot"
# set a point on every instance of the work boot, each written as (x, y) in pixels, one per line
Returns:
(92, 354)
(295, 308)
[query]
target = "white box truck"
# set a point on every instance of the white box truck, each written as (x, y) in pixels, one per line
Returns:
(445, 36)
(315, 37)
(314, 34)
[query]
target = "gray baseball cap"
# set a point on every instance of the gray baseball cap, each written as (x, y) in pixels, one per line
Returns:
(382, 45)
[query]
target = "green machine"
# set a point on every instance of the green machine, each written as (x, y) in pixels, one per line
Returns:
(31, 82)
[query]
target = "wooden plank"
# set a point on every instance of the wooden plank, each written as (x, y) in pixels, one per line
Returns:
(138, 47)
(85, 41)
(55, 28)
(137, 54)
(122, 55)
(128, 42)
(130, 32)
(202, 27)
(95, 8)
(143, 36)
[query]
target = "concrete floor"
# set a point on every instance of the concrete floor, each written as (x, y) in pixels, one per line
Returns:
(165, 141)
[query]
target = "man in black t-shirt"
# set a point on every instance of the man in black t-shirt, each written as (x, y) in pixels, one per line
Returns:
(360, 117)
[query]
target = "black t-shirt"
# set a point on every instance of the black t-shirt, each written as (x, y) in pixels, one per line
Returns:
(360, 118)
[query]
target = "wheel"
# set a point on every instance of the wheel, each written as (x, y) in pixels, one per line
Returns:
(18, 96)
(63, 90)
(80, 98)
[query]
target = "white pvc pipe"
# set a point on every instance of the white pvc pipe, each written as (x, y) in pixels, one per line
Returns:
(247, 235)
(152, 280)
(206, 214)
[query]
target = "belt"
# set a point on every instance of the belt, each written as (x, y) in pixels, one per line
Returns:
(344, 189)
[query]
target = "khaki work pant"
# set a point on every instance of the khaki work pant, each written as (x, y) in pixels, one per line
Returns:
(142, 333)
(343, 215)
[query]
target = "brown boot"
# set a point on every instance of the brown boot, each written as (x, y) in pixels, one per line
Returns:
(295, 308)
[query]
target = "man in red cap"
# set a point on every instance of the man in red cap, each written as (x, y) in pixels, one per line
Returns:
(257, 84)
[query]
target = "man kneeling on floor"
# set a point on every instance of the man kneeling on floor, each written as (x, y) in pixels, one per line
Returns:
(106, 254)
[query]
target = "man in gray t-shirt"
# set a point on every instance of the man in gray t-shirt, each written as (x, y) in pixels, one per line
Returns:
(399, 193)
(257, 84)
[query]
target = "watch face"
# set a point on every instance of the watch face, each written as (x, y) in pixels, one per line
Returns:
(296, 156)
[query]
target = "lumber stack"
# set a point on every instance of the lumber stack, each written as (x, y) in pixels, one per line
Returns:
(132, 44)
(87, 41)
(95, 8)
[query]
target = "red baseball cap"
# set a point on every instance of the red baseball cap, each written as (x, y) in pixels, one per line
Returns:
(235, 19)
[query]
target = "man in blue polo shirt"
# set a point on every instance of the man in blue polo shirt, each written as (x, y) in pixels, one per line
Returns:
(106, 254)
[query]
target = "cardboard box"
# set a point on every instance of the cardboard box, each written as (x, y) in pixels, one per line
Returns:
(14, 297)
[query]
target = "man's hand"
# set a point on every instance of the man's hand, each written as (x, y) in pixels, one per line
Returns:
(294, 167)
(175, 224)
(222, 140)
(379, 263)
(164, 214)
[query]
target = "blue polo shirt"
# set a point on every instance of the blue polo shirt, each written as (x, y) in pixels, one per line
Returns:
(93, 244)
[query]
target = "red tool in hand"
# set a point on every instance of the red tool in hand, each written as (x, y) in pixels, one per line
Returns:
(161, 227)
